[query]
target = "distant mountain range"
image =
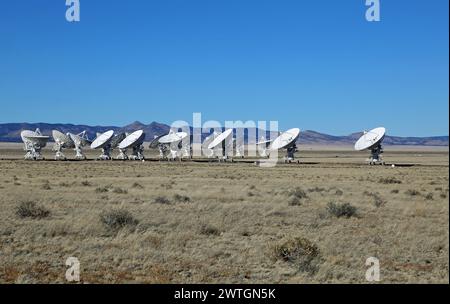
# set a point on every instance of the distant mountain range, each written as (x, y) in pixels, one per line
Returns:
(10, 132)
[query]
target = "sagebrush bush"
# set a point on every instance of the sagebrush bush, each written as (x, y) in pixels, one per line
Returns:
(118, 219)
(102, 189)
(316, 189)
(412, 192)
(120, 190)
(294, 201)
(181, 198)
(208, 229)
(429, 196)
(298, 193)
(299, 251)
(341, 209)
(137, 186)
(32, 210)
(161, 200)
(389, 180)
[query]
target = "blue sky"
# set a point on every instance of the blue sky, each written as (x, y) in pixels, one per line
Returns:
(311, 64)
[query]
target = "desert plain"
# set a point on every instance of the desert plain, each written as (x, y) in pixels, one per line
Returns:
(206, 222)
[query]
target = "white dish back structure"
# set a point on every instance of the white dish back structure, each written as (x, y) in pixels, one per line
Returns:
(222, 144)
(174, 145)
(133, 141)
(61, 141)
(80, 140)
(34, 141)
(371, 140)
(103, 141)
(287, 140)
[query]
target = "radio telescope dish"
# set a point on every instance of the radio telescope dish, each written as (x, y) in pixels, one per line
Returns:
(172, 145)
(134, 141)
(80, 140)
(221, 141)
(287, 140)
(208, 140)
(103, 141)
(34, 142)
(173, 137)
(372, 140)
(117, 139)
(155, 141)
(61, 141)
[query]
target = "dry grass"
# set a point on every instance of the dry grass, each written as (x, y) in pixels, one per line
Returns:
(158, 222)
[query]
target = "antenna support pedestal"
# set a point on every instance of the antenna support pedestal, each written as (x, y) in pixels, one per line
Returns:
(290, 153)
(122, 154)
(79, 153)
(376, 156)
(138, 153)
(59, 155)
(33, 151)
(106, 153)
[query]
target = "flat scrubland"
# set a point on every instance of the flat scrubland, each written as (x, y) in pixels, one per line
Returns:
(189, 222)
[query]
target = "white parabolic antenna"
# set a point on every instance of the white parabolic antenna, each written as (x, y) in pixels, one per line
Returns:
(34, 141)
(80, 140)
(220, 139)
(371, 140)
(173, 137)
(134, 141)
(117, 139)
(135, 138)
(287, 140)
(171, 144)
(61, 141)
(103, 141)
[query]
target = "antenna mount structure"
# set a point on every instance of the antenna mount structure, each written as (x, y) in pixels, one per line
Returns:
(371, 141)
(287, 140)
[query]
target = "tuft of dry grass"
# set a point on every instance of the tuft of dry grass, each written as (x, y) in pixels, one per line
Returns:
(389, 180)
(137, 186)
(341, 209)
(86, 183)
(30, 209)
(412, 192)
(181, 198)
(161, 200)
(298, 193)
(118, 190)
(299, 251)
(118, 219)
(102, 189)
(208, 229)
